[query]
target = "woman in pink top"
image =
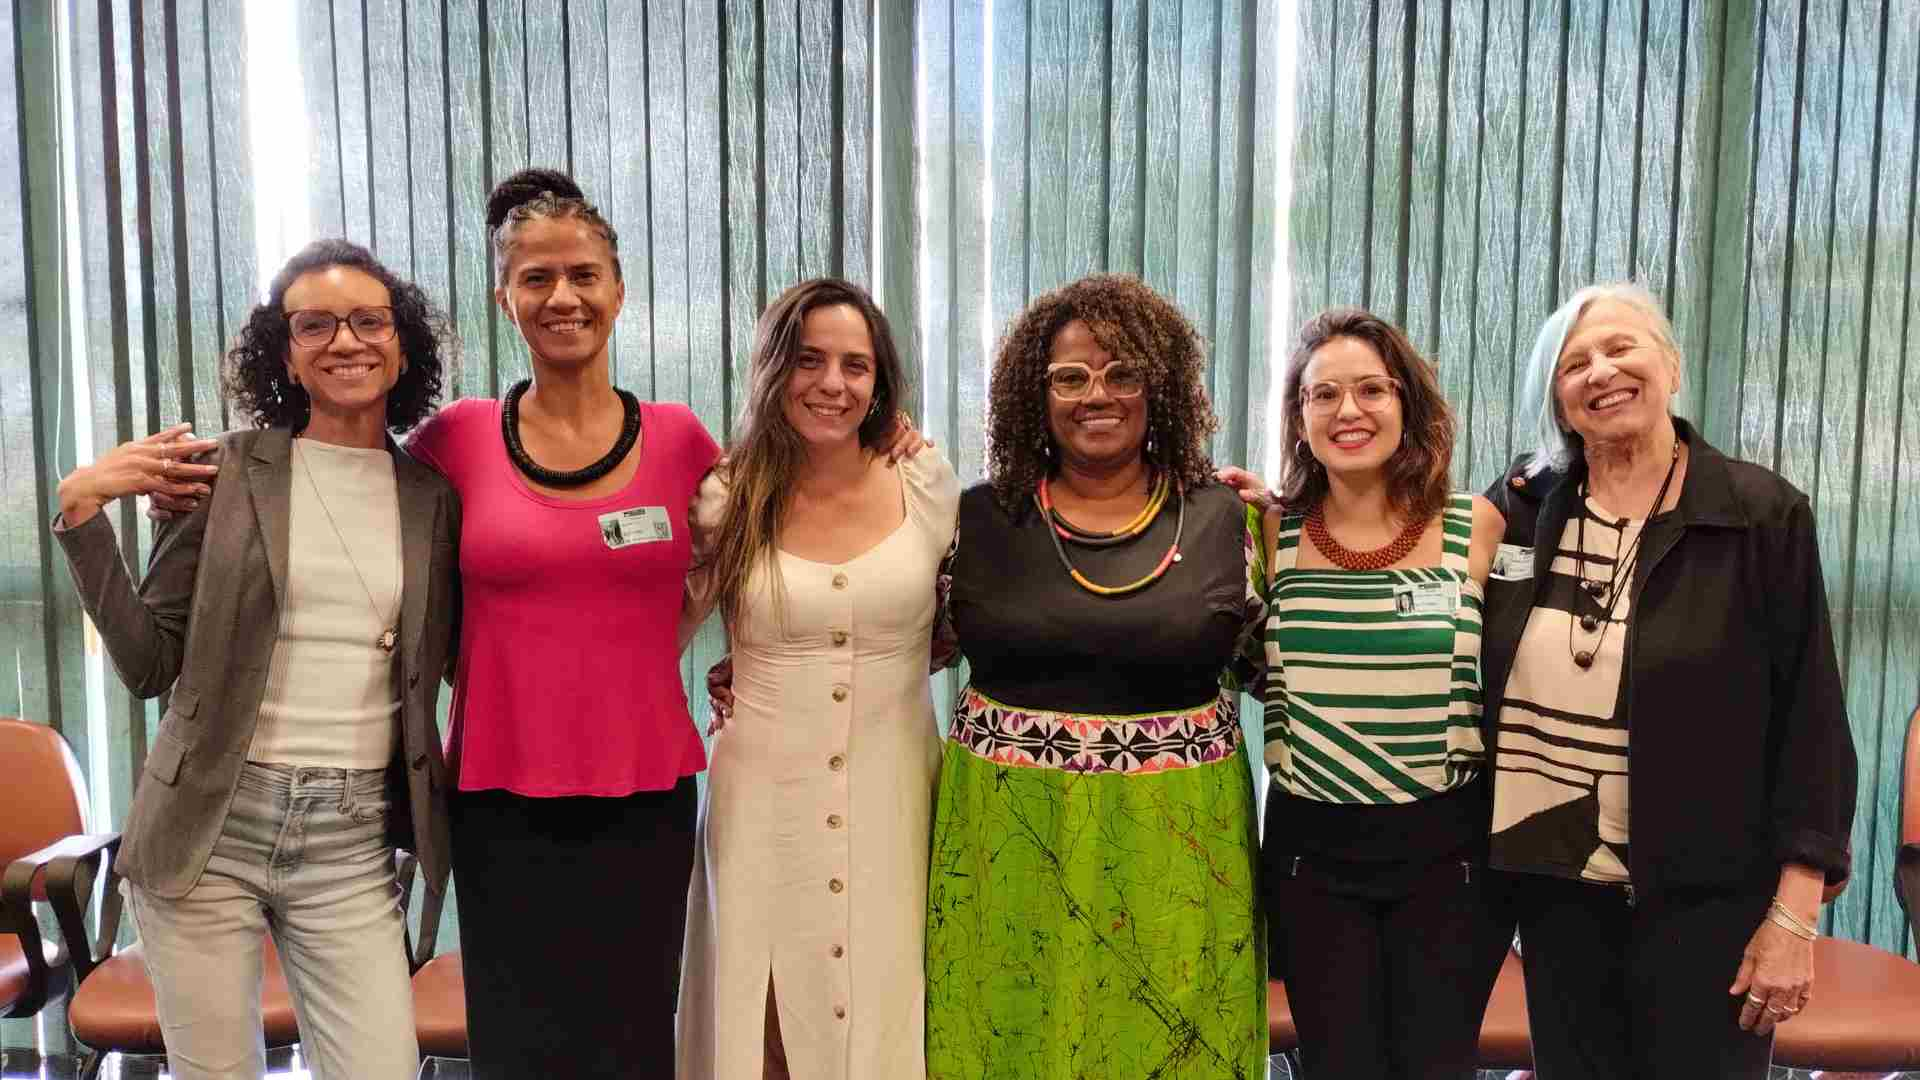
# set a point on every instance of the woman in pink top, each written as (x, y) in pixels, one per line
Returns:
(571, 747)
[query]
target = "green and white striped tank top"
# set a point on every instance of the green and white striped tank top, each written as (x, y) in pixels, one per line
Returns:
(1373, 676)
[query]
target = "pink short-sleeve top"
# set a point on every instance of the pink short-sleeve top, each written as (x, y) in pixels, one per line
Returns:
(568, 681)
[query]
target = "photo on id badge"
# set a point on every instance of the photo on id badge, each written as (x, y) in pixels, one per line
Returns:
(635, 525)
(1512, 562)
(1425, 598)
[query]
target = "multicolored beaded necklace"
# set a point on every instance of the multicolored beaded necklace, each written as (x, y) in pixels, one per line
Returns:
(1059, 528)
(1377, 559)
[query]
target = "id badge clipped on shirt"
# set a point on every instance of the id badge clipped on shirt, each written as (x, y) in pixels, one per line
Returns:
(1513, 562)
(1426, 598)
(635, 525)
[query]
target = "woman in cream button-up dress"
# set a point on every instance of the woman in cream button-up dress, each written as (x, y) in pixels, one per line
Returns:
(808, 903)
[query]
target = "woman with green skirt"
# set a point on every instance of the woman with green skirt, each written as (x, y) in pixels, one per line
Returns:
(1093, 908)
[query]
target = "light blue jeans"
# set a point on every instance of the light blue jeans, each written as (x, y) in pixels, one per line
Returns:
(303, 855)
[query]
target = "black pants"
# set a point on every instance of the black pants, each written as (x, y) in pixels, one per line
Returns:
(1641, 991)
(572, 912)
(1388, 966)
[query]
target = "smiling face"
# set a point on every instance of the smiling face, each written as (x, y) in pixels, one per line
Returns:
(1098, 430)
(346, 376)
(1350, 439)
(561, 290)
(1614, 379)
(831, 380)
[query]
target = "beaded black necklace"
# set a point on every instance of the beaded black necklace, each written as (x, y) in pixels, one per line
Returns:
(533, 470)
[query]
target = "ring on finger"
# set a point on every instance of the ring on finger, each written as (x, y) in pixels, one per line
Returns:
(1756, 998)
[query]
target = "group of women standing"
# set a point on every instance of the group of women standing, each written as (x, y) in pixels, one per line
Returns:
(1074, 885)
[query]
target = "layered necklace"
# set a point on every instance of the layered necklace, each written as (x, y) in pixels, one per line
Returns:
(1622, 564)
(1060, 529)
(533, 470)
(1347, 559)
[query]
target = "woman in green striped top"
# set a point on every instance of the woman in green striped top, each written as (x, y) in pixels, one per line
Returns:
(1376, 819)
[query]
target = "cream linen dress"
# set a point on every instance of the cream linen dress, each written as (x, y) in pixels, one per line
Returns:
(811, 858)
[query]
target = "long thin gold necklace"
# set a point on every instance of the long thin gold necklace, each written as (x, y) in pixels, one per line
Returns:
(390, 636)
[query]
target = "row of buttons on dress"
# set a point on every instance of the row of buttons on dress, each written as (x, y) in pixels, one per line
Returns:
(838, 763)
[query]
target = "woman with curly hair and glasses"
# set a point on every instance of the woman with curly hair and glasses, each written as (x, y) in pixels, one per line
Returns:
(1376, 823)
(1092, 908)
(299, 745)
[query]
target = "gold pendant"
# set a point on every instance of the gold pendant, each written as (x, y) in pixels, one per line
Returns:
(387, 640)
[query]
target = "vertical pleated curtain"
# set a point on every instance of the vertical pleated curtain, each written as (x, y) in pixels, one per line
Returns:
(1456, 166)
(738, 146)
(1463, 167)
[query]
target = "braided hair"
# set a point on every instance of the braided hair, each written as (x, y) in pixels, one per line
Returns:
(541, 193)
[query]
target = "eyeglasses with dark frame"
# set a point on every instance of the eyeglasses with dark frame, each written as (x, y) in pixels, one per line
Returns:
(1073, 381)
(315, 328)
(1372, 394)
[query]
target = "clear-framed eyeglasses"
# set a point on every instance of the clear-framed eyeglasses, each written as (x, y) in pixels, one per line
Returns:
(1372, 394)
(1072, 381)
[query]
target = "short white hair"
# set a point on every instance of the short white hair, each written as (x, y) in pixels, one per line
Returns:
(1554, 444)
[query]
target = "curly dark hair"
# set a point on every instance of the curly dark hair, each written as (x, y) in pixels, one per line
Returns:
(1417, 472)
(1135, 324)
(541, 193)
(255, 374)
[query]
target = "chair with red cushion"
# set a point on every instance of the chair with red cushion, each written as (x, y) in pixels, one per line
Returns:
(1865, 1012)
(41, 805)
(114, 1010)
(439, 992)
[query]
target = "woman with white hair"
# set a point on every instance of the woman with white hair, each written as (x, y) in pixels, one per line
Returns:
(1657, 638)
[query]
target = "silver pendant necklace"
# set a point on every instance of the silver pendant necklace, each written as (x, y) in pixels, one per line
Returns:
(390, 636)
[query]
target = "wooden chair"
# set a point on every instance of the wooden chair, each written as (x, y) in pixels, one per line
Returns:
(41, 806)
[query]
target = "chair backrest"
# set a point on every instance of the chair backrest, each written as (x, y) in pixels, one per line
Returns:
(44, 796)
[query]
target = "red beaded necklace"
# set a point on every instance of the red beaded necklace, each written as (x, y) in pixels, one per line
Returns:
(1377, 559)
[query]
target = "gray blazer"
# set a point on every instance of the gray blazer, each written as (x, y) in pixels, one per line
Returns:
(210, 636)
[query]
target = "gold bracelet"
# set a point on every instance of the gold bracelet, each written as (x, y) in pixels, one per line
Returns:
(1790, 926)
(1794, 918)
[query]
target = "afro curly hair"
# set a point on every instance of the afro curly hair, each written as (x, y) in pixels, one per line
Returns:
(255, 376)
(1136, 325)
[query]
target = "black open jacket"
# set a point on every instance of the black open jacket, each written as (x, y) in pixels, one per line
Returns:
(1740, 755)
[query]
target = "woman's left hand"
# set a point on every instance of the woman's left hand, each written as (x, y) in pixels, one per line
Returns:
(1252, 490)
(904, 442)
(1776, 975)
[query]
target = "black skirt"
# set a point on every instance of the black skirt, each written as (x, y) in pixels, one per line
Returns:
(572, 912)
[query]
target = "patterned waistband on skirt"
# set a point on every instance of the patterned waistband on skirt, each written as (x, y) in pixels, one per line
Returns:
(1086, 743)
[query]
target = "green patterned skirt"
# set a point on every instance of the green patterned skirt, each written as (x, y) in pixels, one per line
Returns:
(1092, 907)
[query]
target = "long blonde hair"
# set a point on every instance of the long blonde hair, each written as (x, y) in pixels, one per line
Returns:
(765, 453)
